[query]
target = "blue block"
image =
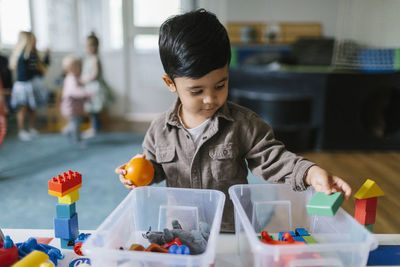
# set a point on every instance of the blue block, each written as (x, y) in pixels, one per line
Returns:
(299, 239)
(65, 210)
(66, 228)
(66, 243)
(301, 232)
(280, 236)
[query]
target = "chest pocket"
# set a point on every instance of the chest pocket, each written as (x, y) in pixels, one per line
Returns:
(165, 154)
(221, 152)
(223, 167)
(166, 157)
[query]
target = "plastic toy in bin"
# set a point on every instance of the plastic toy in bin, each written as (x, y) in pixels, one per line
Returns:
(140, 171)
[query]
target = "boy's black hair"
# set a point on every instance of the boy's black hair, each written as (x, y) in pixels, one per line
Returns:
(193, 44)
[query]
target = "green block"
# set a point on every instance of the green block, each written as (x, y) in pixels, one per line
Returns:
(369, 227)
(325, 205)
(309, 239)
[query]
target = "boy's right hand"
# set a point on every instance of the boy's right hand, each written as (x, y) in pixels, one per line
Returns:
(120, 170)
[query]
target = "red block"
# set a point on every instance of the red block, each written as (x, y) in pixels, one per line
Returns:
(66, 181)
(368, 204)
(365, 217)
(8, 256)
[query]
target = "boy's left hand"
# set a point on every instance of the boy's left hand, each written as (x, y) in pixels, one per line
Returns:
(325, 182)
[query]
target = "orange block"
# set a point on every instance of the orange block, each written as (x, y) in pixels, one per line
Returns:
(62, 184)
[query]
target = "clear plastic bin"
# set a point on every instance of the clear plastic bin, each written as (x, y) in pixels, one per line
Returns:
(155, 207)
(341, 240)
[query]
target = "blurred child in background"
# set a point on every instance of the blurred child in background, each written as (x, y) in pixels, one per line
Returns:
(28, 91)
(92, 78)
(73, 98)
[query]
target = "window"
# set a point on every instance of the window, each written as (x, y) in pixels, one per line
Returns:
(147, 19)
(151, 13)
(104, 18)
(55, 24)
(14, 17)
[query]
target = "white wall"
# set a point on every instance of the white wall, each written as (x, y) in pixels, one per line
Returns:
(324, 11)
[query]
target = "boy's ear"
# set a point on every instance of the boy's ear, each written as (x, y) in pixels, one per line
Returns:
(169, 82)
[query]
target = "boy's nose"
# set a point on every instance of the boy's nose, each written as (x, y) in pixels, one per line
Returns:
(208, 99)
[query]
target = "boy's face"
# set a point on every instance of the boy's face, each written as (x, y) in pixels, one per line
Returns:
(201, 97)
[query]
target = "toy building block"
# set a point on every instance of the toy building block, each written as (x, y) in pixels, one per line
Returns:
(370, 227)
(67, 243)
(66, 228)
(65, 210)
(299, 239)
(64, 184)
(69, 198)
(301, 232)
(289, 240)
(325, 205)
(179, 249)
(309, 239)
(365, 217)
(8, 255)
(368, 190)
(367, 204)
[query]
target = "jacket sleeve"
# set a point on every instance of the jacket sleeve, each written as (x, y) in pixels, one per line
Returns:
(149, 150)
(269, 159)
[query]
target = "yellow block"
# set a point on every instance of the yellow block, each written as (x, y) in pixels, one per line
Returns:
(70, 198)
(35, 258)
(368, 190)
(58, 194)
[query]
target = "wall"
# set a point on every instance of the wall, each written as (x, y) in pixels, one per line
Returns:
(324, 11)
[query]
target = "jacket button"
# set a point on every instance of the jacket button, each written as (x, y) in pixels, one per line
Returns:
(187, 136)
(204, 137)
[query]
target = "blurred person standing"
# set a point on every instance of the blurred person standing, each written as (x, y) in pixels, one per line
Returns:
(92, 78)
(28, 92)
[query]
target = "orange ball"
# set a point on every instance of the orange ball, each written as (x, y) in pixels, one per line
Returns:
(140, 171)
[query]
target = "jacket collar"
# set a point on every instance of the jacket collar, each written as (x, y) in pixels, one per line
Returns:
(173, 119)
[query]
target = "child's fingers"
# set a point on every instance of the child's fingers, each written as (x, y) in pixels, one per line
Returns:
(127, 183)
(342, 186)
(120, 170)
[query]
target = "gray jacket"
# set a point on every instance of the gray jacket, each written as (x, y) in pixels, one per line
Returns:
(236, 140)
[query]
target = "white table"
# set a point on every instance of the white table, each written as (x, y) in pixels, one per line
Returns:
(226, 248)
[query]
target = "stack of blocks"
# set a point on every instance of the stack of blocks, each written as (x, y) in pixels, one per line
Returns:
(366, 202)
(65, 187)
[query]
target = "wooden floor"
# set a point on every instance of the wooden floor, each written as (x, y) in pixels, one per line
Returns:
(355, 168)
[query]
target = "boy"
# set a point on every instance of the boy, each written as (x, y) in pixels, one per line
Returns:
(204, 141)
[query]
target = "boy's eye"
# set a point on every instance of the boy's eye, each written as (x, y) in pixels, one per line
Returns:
(220, 86)
(196, 92)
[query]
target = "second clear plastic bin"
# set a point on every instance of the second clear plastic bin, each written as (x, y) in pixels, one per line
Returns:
(341, 240)
(155, 207)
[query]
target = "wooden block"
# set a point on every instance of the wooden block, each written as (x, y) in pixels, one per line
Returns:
(309, 239)
(368, 190)
(370, 227)
(325, 205)
(367, 204)
(365, 217)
